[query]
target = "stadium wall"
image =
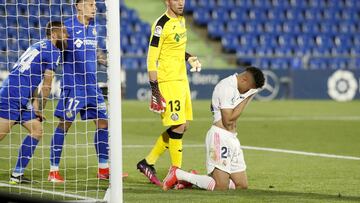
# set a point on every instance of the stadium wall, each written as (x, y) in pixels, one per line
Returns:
(339, 85)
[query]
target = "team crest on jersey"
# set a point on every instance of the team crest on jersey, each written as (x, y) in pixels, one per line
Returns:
(94, 32)
(158, 31)
(78, 43)
(174, 116)
(69, 114)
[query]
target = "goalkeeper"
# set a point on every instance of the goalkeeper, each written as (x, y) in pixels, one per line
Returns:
(37, 64)
(169, 85)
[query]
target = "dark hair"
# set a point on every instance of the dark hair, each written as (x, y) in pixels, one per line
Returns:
(51, 26)
(257, 75)
(78, 1)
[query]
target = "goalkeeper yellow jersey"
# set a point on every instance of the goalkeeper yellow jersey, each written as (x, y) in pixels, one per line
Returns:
(167, 46)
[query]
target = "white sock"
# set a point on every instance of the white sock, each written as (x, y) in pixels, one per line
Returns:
(103, 165)
(54, 168)
(202, 181)
(232, 185)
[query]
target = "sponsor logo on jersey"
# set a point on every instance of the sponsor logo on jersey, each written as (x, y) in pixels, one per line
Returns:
(174, 116)
(178, 37)
(78, 42)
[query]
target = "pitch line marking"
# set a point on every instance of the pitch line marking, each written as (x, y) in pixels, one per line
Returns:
(50, 192)
(264, 149)
(264, 118)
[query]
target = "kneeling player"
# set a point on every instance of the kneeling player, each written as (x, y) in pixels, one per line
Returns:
(226, 167)
(37, 64)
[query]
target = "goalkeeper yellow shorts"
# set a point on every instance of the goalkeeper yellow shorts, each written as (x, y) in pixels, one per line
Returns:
(178, 102)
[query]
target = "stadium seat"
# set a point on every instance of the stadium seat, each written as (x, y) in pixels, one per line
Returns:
(216, 29)
(207, 4)
(220, 15)
(129, 63)
(229, 43)
(190, 5)
(202, 16)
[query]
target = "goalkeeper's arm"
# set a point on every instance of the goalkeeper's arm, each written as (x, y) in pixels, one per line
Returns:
(194, 62)
(157, 102)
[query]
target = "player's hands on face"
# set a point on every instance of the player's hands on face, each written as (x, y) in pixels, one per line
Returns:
(194, 63)
(157, 102)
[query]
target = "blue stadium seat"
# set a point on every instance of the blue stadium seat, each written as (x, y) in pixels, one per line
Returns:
(202, 16)
(142, 63)
(268, 40)
(243, 3)
(328, 27)
(325, 41)
(306, 41)
(318, 63)
(254, 27)
(126, 28)
(249, 40)
(190, 5)
(239, 14)
(273, 27)
(276, 14)
(343, 40)
(139, 40)
(129, 63)
(264, 63)
(229, 43)
(134, 51)
(208, 4)
(265, 51)
(234, 27)
(215, 29)
(294, 15)
(227, 4)
(310, 27)
(220, 15)
(262, 3)
(291, 27)
(143, 28)
(258, 14)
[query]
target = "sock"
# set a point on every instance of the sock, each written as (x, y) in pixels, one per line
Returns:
(101, 141)
(26, 151)
(175, 148)
(56, 147)
(161, 145)
(202, 181)
(232, 185)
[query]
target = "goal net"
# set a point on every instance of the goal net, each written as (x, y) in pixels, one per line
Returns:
(23, 23)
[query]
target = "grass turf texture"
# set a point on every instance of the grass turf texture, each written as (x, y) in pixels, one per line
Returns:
(312, 126)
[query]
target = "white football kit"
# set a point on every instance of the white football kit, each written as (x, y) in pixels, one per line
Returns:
(223, 149)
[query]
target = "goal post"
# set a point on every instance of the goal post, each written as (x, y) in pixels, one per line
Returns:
(114, 95)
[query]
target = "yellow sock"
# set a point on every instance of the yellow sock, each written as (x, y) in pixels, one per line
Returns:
(159, 148)
(175, 149)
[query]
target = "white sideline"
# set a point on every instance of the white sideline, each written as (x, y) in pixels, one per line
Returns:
(88, 199)
(264, 149)
(262, 118)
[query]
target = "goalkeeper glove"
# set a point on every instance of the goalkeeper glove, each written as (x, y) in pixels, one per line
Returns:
(194, 63)
(157, 103)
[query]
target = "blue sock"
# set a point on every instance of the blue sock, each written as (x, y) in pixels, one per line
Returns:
(101, 144)
(26, 151)
(57, 143)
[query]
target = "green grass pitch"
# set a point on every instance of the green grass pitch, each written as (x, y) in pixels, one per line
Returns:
(312, 126)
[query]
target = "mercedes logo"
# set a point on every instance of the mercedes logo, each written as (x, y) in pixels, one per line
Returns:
(271, 87)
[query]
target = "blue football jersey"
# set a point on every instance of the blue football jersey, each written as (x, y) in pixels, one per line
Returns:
(27, 73)
(80, 57)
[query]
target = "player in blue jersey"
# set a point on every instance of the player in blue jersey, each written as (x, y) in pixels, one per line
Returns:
(80, 92)
(20, 99)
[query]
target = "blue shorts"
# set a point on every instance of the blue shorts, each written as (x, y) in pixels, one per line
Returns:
(11, 109)
(90, 104)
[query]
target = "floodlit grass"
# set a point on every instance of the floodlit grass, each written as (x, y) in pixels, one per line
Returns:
(311, 126)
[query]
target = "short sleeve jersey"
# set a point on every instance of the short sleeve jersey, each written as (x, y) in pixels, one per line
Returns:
(227, 96)
(80, 57)
(27, 73)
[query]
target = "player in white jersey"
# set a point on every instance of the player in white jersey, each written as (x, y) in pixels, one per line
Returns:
(225, 162)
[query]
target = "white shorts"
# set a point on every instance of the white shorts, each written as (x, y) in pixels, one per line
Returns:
(223, 151)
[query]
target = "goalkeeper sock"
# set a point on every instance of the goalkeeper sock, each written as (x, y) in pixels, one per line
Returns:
(101, 141)
(26, 151)
(175, 148)
(202, 181)
(56, 147)
(162, 143)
